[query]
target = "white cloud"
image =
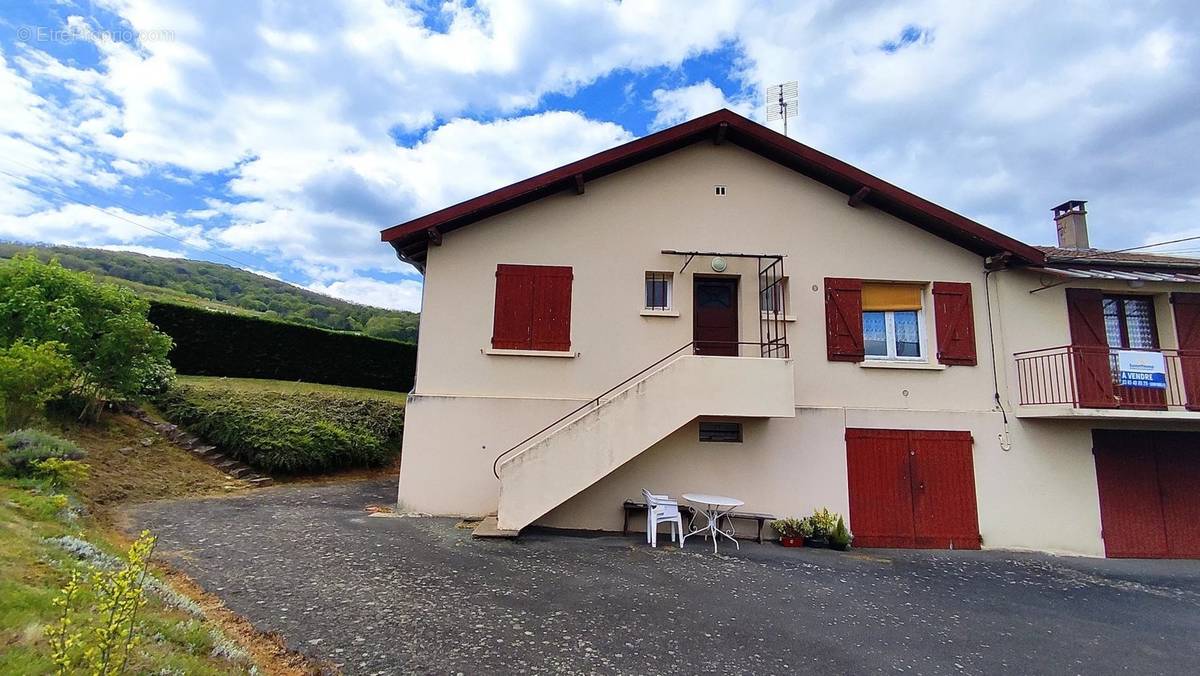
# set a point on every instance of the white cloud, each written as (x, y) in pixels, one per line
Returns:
(144, 250)
(404, 295)
(673, 106)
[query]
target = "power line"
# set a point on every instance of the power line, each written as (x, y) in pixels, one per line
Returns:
(1102, 254)
(105, 211)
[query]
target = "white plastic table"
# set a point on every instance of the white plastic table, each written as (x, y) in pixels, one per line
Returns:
(713, 507)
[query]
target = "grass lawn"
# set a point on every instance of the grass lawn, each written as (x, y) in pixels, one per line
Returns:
(290, 387)
(127, 462)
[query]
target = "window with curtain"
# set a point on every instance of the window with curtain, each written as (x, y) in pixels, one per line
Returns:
(893, 321)
(1129, 322)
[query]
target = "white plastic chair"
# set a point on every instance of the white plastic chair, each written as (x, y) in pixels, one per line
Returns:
(660, 508)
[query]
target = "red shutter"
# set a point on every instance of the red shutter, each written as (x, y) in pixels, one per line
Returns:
(513, 319)
(533, 308)
(843, 319)
(1089, 345)
(955, 323)
(552, 309)
(1131, 514)
(945, 515)
(1187, 329)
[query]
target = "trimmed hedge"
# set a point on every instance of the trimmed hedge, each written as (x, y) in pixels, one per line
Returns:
(218, 344)
(286, 432)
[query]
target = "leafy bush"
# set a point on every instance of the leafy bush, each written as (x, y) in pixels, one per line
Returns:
(216, 344)
(289, 432)
(792, 527)
(25, 448)
(116, 352)
(823, 522)
(840, 537)
(30, 375)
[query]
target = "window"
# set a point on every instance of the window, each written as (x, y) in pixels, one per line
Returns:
(1129, 322)
(719, 190)
(658, 290)
(729, 432)
(533, 308)
(774, 297)
(893, 321)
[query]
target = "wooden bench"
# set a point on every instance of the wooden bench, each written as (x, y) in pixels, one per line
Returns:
(632, 506)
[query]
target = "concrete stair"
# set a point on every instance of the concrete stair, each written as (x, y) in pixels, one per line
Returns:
(208, 453)
(559, 464)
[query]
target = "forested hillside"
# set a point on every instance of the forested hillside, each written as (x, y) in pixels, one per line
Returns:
(228, 288)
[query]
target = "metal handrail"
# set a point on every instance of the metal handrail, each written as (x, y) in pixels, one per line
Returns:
(596, 400)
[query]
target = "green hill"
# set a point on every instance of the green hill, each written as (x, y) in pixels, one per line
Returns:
(222, 287)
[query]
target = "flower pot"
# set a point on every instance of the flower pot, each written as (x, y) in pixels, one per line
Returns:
(839, 546)
(786, 541)
(818, 541)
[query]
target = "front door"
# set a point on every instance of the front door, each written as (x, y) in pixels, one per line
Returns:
(715, 316)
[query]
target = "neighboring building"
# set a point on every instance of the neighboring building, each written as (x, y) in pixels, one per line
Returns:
(770, 323)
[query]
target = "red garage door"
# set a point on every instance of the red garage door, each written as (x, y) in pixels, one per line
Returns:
(1149, 484)
(912, 488)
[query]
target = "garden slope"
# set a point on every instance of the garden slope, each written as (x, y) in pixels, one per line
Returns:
(289, 428)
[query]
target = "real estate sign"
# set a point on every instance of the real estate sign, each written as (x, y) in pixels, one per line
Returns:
(1141, 369)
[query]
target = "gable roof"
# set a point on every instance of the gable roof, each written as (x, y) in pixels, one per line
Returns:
(411, 239)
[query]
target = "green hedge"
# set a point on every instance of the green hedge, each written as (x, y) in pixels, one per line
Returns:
(289, 432)
(218, 344)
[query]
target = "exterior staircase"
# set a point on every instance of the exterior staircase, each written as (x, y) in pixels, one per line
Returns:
(554, 466)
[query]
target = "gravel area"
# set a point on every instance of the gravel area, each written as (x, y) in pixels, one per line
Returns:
(402, 595)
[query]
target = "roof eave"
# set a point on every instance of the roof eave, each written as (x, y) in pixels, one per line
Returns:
(721, 125)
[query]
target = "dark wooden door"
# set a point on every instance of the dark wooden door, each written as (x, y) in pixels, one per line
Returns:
(1178, 455)
(945, 514)
(880, 482)
(912, 488)
(1149, 484)
(1131, 514)
(715, 316)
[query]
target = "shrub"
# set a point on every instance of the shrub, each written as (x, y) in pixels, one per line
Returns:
(218, 344)
(30, 375)
(289, 433)
(28, 447)
(115, 351)
(61, 473)
(840, 537)
(823, 522)
(792, 527)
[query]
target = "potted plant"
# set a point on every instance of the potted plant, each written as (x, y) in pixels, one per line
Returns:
(792, 531)
(841, 536)
(822, 523)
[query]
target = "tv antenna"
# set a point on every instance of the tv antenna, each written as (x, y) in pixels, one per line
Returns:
(782, 101)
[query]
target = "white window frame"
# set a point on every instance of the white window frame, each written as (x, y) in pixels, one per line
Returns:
(670, 291)
(889, 322)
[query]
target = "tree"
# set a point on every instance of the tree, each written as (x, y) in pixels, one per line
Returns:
(116, 353)
(396, 328)
(30, 375)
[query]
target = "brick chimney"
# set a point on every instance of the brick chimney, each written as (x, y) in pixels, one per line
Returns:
(1071, 219)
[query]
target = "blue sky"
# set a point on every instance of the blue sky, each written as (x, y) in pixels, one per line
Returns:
(282, 136)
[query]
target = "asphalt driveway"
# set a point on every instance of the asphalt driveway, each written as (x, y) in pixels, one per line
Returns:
(398, 595)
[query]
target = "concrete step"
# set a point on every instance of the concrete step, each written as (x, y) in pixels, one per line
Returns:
(258, 482)
(487, 529)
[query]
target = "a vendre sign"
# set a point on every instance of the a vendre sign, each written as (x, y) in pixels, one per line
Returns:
(1141, 369)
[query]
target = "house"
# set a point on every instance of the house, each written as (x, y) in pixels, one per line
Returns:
(718, 308)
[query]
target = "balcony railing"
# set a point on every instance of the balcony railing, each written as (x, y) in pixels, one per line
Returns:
(1086, 377)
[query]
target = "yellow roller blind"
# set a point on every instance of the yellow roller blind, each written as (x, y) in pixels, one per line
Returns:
(891, 297)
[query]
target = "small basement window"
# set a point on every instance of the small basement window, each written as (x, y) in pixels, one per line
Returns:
(658, 290)
(719, 190)
(729, 432)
